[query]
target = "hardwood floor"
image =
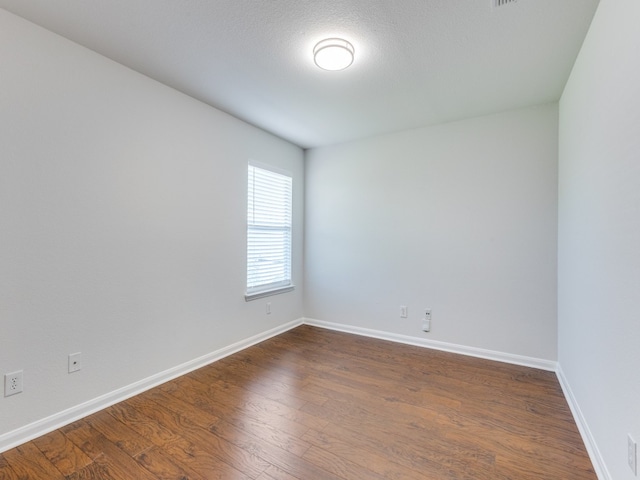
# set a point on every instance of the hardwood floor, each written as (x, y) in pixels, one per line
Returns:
(316, 404)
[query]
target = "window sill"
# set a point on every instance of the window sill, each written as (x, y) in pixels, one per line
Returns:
(267, 293)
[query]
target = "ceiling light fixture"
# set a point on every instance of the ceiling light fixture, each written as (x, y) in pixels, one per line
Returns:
(333, 54)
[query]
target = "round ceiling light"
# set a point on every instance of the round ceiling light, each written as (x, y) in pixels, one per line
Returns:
(333, 54)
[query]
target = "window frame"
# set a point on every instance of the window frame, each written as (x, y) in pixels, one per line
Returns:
(286, 285)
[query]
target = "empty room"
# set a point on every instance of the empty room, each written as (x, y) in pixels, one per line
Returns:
(346, 239)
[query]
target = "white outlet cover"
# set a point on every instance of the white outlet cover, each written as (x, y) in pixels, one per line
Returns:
(12, 383)
(75, 363)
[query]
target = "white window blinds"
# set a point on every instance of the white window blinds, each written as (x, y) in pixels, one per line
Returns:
(268, 231)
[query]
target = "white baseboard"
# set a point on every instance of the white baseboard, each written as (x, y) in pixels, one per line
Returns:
(539, 363)
(29, 432)
(589, 441)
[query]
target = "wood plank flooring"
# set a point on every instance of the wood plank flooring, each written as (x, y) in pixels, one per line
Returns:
(316, 404)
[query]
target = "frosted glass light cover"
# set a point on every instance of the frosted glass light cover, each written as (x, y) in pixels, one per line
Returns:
(333, 54)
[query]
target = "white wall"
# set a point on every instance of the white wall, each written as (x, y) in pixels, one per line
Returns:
(599, 233)
(461, 218)
(122, 224)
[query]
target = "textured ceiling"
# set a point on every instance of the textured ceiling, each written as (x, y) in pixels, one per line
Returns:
(418, 62)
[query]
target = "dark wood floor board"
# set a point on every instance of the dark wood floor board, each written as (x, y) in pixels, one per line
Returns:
(197, 457)
(520, 421)
(441, 458)
(292, 464)
(91, 441)
(446, 385)
(380, 418)
(162, 465)
(267, 431)
(281, 357)
(274, 473)
(536, 428)
(296, 364)
(233, 415)
(339, 465)
(434, 362)
(119, 433)
(337, 387)
(143, 425)
(515, 468)
(521, 413)
(425, 377)
(420, 388)
(269, 361)
(181, 425)
(518, 439)
(412, 443)
(514, 448)
(243, 402)
(315, 404)
(95, 471)
(365, 348)
(182, 452)
(27, 461)
(6, 472)
(274, 388)
(490, 403)
(361, 455)
(356, 417)
(156, 396)
(62, 453)
(234, 389)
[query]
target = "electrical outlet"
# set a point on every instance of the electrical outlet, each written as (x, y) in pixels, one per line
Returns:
(74, 362)
(12, 383)
(404, 311)
(426, 320)
(268, 308)
(632, 454)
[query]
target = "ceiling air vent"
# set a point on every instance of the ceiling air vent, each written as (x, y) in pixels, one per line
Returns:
(502, 3)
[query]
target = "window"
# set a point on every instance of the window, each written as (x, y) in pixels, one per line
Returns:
(268, 233)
